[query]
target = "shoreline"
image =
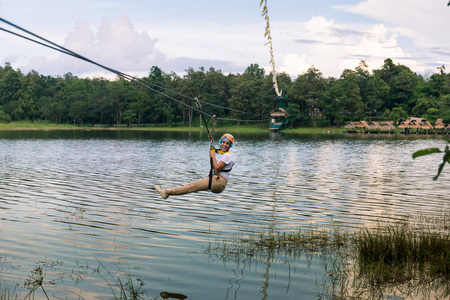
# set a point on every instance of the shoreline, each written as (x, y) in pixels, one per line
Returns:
(36, 126)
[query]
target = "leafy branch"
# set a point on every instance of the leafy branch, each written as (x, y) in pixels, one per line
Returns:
(446, 158)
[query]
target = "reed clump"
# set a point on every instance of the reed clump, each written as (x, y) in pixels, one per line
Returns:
(399, 253)
(401, 259)
(290, 244)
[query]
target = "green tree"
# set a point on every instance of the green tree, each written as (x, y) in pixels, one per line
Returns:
(120, 95)
(423, 104)
(10, 85)
(244, 91)
(4, 117)
(51, 109)
(24, 107)
(397, 114)
(78, 111)
(401, 81)
(254, 71)
(140, 107)
(216, 91)
(129, 116)
(432, 115)
(373, 90)
(295, 113)
(350, 94)
(161, 106)
(445, 108)
(308, 91)
(332, 104)
(99, 110)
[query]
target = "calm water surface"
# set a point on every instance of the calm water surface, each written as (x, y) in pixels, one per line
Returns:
(81, 205)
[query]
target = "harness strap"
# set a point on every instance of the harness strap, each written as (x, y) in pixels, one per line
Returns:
(220, 151)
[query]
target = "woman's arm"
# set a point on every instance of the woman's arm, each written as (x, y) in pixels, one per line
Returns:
(217, 166)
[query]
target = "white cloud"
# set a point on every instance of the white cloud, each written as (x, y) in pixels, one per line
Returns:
(425, 23)
(294, 64)
(235, 43)
(115, 44)
(332, 46)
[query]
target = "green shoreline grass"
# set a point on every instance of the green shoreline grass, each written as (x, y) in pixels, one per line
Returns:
(232, 128)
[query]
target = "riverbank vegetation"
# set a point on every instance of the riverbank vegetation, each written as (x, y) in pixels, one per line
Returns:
(401, 259)
(392, 92)
(251, 128)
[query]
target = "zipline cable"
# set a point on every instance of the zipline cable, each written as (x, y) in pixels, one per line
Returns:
(136, 80)
(76, 55)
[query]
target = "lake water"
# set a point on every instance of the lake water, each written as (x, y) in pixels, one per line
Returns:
(81, 205)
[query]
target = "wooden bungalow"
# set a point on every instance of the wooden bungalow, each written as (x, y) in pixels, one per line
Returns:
(370, 127)
(387, 127)
(426, 127)
(278, 119)
(414, 124)
(350, 127)
(374, 127)
(447, 128)
(403, 127)
(439, 126)
(362, 126)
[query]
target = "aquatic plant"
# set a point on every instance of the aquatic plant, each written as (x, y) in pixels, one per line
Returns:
(127, 289)
(391, 259)
(6, 294)
(399, 255)
(122, 289)
(35, 281)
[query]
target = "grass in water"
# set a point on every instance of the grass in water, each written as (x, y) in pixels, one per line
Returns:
(394, 259)
(401, 255)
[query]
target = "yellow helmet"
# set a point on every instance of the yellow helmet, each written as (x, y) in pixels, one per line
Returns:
(227, 137)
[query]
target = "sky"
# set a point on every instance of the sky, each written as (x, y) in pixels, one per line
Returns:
(133, 35)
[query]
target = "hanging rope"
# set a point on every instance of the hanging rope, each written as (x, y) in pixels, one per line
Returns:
(211, 138)
(265, 14)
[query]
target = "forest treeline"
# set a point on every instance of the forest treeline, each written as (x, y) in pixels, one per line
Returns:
(392, 92)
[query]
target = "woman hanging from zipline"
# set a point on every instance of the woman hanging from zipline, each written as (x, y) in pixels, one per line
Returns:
(221, 165)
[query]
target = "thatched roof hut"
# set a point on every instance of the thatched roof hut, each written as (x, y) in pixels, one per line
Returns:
(373, 125)
(362, 124)
(350, 125)
(413, 124)
(387, 127)
(439, 124)
(426, 125)
(403, 124)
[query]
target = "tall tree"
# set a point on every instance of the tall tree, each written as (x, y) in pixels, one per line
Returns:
(350, 94)
(308, 89)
